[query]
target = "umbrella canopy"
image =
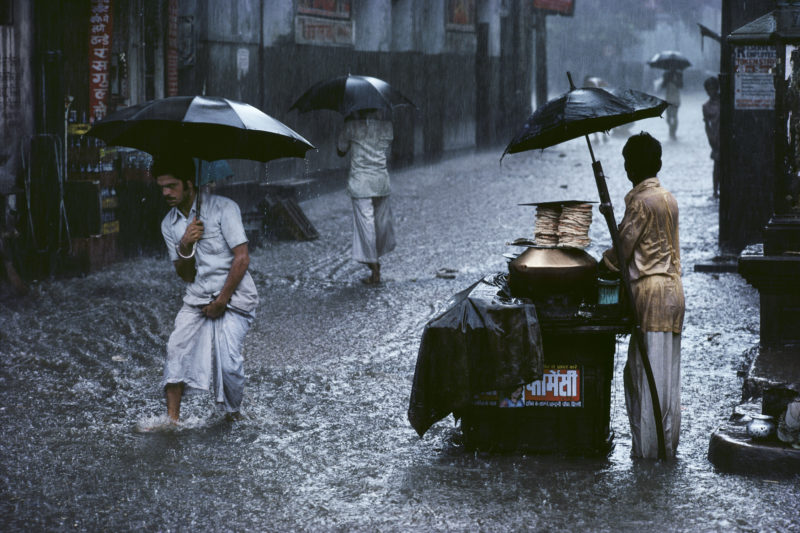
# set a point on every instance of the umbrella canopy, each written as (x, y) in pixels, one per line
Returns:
(212, 171)
(347, 94)
(580, 112)
(669, 60)
(204, 127)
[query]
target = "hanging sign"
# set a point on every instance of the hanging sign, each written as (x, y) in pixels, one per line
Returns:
(754, 79)
(562, 7)
(172, 48)
(100, 25)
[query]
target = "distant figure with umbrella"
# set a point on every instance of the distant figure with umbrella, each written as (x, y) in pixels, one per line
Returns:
(366, 104)
(368, 137)
(207, 245)
(673, 63)
(650, 247)
(672, 83)
(711, 120)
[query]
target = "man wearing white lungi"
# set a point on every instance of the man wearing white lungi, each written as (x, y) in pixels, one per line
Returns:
(208, 246)
(368, 138)
(650, 246)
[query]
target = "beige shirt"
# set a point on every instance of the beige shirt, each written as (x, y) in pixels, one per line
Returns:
(368, 140)
(649, 240)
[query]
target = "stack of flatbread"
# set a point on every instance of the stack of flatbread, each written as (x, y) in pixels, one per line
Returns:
(563, 224)
(573, 225)
(546, 228)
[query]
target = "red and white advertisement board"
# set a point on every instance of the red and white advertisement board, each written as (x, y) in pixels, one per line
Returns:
(560, 386)
(100, 26)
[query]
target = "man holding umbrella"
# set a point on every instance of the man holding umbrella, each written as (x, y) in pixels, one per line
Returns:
(368, 137)
(209, 251)
(650, 246)
(366, 103)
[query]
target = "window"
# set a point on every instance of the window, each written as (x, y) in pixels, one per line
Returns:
(460, 15)
(6, 12)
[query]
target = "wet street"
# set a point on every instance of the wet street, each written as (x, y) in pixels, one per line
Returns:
(325, 444)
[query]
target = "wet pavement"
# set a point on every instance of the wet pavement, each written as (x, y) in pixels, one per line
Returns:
(325, 444)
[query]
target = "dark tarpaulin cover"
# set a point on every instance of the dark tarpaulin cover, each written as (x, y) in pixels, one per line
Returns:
(485, 340)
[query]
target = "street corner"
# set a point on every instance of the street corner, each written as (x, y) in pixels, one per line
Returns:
(748, 444)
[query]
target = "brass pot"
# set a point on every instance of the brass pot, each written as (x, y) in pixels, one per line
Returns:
(539, 272)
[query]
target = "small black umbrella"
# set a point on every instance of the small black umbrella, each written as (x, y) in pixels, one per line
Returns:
(350, 93)
(669, 60)
(578, 113)
(204, 127)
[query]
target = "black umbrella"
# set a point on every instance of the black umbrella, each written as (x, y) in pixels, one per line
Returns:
(577, 114)
(350, 93)
(204, 127)
(669, 60)
(583, 111)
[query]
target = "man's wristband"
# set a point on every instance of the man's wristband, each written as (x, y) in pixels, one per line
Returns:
(178, 249)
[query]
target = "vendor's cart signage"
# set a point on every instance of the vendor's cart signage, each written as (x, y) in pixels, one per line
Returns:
(754, 81)
(560, 386)
(99, 56)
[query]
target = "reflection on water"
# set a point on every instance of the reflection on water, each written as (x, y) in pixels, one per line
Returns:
(325, 443)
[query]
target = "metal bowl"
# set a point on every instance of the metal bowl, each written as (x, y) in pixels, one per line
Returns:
(760, 428)
(544, 271)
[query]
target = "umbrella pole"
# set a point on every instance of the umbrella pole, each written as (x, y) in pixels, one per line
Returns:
(197, 171)
(608, 212)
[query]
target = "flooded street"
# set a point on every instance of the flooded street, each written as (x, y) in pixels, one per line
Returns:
(325, 444)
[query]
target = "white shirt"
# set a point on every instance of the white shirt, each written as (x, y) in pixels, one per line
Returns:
(222, 231)
(368, 141)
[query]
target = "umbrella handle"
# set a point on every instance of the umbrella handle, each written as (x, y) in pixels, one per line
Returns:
(641, 341)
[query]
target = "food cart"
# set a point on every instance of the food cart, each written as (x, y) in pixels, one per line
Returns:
(552, 298)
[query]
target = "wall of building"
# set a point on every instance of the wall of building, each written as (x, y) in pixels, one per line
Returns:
(252, 50)
(16, 89)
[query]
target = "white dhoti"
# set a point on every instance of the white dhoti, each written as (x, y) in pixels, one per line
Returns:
(664, 350)
(373, 229)
(206, 354)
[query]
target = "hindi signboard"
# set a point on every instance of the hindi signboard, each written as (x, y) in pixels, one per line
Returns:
(325, 8)
(560, 386)
(172, 48)
(100, 26)
(754, 78)
(315, 30)
(562, 7)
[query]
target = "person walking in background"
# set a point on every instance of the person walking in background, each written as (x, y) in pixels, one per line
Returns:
(672, 83)
(208, 247)
(649, 241)
(368, 136)
(711, 120)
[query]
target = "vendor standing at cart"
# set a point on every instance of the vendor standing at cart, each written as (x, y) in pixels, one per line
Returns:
(650, 247)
